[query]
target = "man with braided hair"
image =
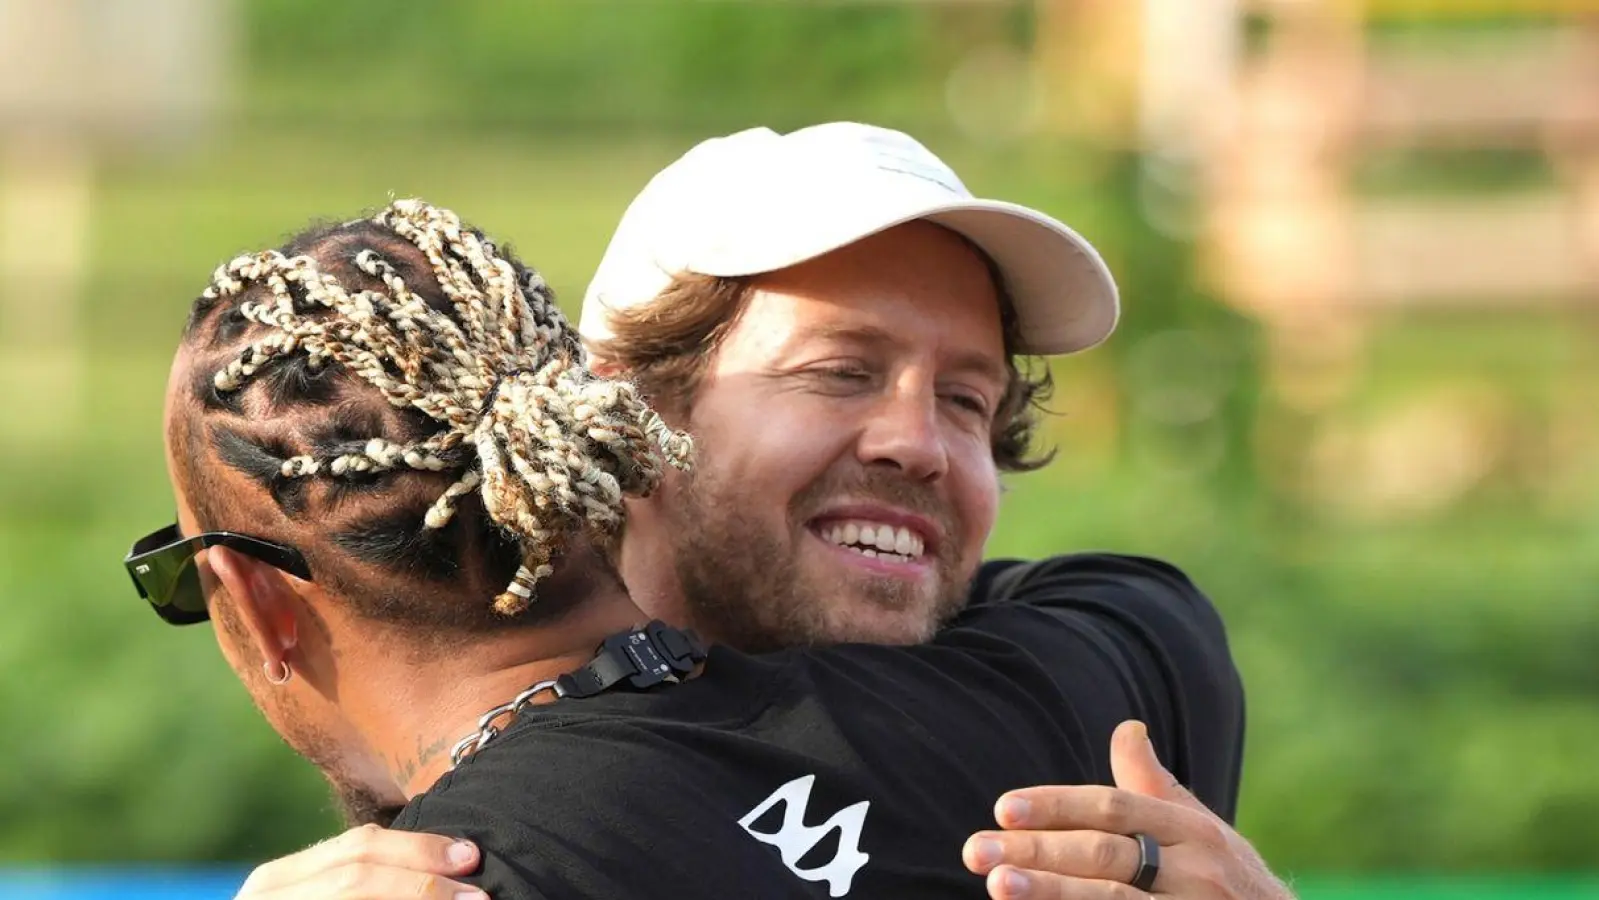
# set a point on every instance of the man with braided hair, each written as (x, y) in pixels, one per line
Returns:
(422, 447)
(399, 495)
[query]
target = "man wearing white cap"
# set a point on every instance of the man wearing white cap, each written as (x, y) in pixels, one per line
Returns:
(755, 202)
(838, 321)
(843, 327)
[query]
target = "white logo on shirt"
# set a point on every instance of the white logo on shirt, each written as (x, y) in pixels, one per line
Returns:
(794, 838)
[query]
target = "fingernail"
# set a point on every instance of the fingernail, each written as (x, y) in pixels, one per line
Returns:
(987, 852)
(471, 895)
(1013, 811)
(462, 853)
(1015, 883)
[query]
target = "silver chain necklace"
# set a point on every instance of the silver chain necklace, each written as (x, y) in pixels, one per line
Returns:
(653, 654)
(487, 730)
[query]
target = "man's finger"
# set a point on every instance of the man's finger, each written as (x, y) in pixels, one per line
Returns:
(1011, 883)
(364, 881)
(427, 854)
(1098, 808)
(1081, 854)
(1137, 767)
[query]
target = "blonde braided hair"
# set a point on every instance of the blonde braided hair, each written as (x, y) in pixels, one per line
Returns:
(558, 448)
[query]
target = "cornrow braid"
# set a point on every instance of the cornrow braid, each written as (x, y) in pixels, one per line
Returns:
(496, 368)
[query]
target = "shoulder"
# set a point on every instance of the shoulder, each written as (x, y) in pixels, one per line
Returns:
(521, 800)
(1131, 593)
(504, 841)
(1002, 579)
(555, 804)
(1126, 637)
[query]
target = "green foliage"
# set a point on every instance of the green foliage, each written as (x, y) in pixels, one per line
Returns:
(612, 65)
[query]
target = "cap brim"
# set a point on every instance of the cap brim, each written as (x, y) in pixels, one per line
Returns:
(1065, 296)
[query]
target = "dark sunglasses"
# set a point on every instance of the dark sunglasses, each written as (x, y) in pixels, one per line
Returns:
(162, 567)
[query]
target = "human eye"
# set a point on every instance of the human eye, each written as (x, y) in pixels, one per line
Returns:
(968, 401)
(845, 373)
(840, 377)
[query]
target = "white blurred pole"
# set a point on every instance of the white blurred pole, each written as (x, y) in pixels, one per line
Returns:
(1189, 60)
(45, 206)
(46, 180)
(82, 80)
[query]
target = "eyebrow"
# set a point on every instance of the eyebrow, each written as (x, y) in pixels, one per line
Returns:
(873, 336)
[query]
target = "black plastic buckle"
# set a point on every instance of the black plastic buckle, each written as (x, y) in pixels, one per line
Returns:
(648, 656)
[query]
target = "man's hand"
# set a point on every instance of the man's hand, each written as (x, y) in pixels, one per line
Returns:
(1072, 841)
(369, 863)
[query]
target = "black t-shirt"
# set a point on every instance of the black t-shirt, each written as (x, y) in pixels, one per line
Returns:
(854, 770)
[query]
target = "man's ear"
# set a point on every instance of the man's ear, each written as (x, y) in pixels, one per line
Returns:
(603, 367)
(265, 602)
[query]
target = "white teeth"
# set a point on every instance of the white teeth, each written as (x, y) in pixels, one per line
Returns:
(876, 540)
(903, 542)
(881, 554)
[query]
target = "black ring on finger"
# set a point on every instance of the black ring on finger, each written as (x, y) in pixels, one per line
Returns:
(1148, 862)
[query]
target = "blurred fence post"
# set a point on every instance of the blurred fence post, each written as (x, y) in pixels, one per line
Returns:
(1292, 239)
(45, 175)
(1086, 55)
(45, 198)
(81, 81)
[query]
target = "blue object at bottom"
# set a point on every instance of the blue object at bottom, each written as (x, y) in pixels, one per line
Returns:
(90, 883)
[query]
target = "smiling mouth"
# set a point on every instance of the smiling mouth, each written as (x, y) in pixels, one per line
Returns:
(874, 540)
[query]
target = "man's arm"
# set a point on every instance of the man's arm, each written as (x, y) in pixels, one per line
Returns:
(1158, 609)
(1161, 653)
(1073, 840)
(372, 863)
(1143, 643)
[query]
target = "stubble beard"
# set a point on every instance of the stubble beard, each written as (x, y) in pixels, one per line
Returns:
(357, 803)
(361, 806)
(745, 585)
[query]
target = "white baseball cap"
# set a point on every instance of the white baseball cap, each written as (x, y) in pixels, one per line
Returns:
(757, 201)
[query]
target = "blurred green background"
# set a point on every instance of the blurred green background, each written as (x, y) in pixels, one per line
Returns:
(1395, 505)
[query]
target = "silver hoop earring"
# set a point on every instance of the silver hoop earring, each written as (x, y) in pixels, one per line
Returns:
(277, 679)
